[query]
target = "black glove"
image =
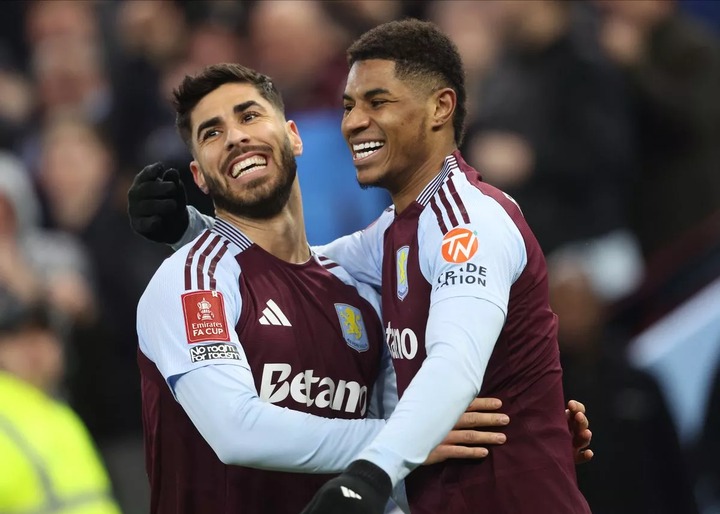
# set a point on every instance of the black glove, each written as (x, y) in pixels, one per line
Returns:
(157, 204)
(363, 488)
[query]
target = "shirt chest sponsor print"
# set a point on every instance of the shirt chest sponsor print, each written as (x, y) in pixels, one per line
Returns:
(459, 245)
(353, 327)
(401, 259)
(204, 313)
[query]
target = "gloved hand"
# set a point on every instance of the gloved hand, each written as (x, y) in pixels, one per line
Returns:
(157, 204)
(363, 488)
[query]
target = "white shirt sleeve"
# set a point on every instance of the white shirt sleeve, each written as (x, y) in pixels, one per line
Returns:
(361, 253)
(468, 305)
(461, 334)
(224, 406)
(176, 326)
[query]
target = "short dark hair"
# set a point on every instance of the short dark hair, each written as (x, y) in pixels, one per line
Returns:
(420, 50)
(194, 88)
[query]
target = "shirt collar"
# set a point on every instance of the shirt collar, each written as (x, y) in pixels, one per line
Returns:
(449, 165)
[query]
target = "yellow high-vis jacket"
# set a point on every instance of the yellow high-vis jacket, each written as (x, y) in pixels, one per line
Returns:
(48, 462)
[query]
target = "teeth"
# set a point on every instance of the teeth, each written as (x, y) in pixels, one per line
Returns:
(368, 145)
(248, 164)
(362, 155)
(363, 150)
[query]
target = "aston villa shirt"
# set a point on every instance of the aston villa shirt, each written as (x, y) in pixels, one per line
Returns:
(464, 245)
(302, 343)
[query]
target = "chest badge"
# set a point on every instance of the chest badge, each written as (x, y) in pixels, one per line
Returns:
(353, 327)
(401, 258)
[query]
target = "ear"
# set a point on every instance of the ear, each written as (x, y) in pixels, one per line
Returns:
(294, 135)
(198, 176)
(444, 102)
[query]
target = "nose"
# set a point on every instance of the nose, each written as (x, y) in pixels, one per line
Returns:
(354, 121)
(236, 135)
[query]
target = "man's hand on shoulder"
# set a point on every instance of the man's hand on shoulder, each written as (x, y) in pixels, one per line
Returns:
(363, 488)
(157, 204)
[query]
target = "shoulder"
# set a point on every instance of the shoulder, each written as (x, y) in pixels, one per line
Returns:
(464, 200)
(211, 256)
(466, 219)
(382, 222)
(387, 215)
(197, 265)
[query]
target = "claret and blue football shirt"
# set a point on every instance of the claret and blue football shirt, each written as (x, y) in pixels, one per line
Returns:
(275, 366)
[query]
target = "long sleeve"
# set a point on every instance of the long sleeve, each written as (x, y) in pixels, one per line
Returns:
(461, 335)
(243, 430)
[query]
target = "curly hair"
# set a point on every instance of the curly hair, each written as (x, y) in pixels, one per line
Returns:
(420, 50)
(194, 88)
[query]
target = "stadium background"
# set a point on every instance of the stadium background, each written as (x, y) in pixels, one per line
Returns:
(601, 117)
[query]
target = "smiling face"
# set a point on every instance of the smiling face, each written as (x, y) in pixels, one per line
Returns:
(244, 151)
(386, 124)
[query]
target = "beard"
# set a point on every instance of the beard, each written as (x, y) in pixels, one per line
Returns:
(259, 202)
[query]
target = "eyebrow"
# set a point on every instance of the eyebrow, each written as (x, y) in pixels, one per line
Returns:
(369, 94)
(217, 119)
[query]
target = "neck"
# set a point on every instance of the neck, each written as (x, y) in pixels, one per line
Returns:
(420, 177)
(283, 235)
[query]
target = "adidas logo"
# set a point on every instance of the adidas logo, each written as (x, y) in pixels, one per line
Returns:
(349, 493)
(272, 315)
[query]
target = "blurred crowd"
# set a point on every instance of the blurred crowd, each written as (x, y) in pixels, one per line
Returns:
(600, 117)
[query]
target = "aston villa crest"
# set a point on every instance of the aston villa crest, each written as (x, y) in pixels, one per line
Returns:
(353, 327)
(401, 272)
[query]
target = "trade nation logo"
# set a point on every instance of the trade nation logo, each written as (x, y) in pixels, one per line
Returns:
(459, 245)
